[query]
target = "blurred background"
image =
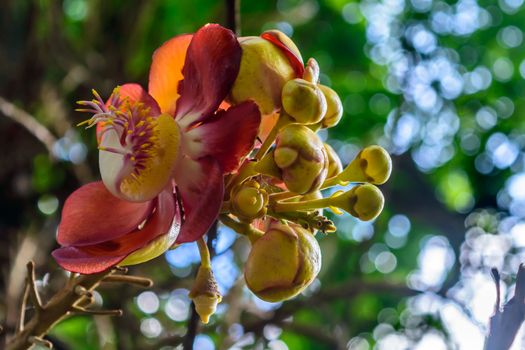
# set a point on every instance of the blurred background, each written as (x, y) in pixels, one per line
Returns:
(440, 84)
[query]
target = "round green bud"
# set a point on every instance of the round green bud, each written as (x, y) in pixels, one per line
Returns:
(301, 157)
(248, 201)
(376, 164)
(303, 101)
(373, 164)
(365, 202)
(334, 107)
(282, 263)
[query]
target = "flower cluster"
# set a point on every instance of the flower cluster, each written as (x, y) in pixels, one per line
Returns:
(226, 130)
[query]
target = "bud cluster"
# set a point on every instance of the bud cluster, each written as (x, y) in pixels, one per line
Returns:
(275, 198)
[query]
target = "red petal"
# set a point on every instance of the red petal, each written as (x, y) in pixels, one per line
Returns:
(297, 62)
(166, 72)
(211, 66)
(75, 260)
(228, 137)
(136, 93)
(99, 257)
(92, 215)
(201, 186)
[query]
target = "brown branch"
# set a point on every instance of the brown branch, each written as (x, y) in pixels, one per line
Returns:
(29, 123)
(70, 300)
(33, 292)
(81, 311)
(23, 305)
(136, 280)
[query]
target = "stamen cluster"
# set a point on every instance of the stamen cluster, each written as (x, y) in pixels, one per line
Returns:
(131, 121)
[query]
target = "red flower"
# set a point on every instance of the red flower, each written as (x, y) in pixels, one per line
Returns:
(157, 149)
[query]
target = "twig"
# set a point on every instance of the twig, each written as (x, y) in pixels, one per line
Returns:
(33, 292)
(506, 322)
(41, 341)
(71, 299)
(136, 280)
(23, 305)
(81, 311)
(29, 122)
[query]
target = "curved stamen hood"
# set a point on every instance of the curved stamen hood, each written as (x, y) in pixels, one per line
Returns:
(138, 145)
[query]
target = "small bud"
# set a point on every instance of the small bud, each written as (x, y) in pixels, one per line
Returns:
(205, 294)
(248, 201)
(302, 158)
(263, 72)
(334, 163)
(365, 202)
(311, 72)
(304, 101)
(283, 262)
(334, 107)
(373, 164)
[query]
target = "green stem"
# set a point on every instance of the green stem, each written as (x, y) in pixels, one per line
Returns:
(244, 229)
(303, 205)
(204, 253)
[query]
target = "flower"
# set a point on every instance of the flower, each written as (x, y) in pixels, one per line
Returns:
(162, 157)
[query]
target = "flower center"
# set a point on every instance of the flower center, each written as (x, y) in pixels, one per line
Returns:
(138, 149)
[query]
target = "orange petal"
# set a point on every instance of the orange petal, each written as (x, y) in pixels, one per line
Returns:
(166, 72)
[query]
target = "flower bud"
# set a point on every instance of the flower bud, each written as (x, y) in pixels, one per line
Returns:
(263, 72)
(283, 262)
(205, 294)
(304, 101)
(334, 107)
(365, 201)
(301, 157)
(311, 72)
(334, 163)
(373, 164)
(248, 201)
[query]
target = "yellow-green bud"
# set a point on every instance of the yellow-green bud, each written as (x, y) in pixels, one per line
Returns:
(282, 263)
(311, 71)
(301, 157)
(205, 294)
(334, 163)
(248, 201)
(373, 164)
(365, 201)
(262, 74)
(334, 110)
(304, 101)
